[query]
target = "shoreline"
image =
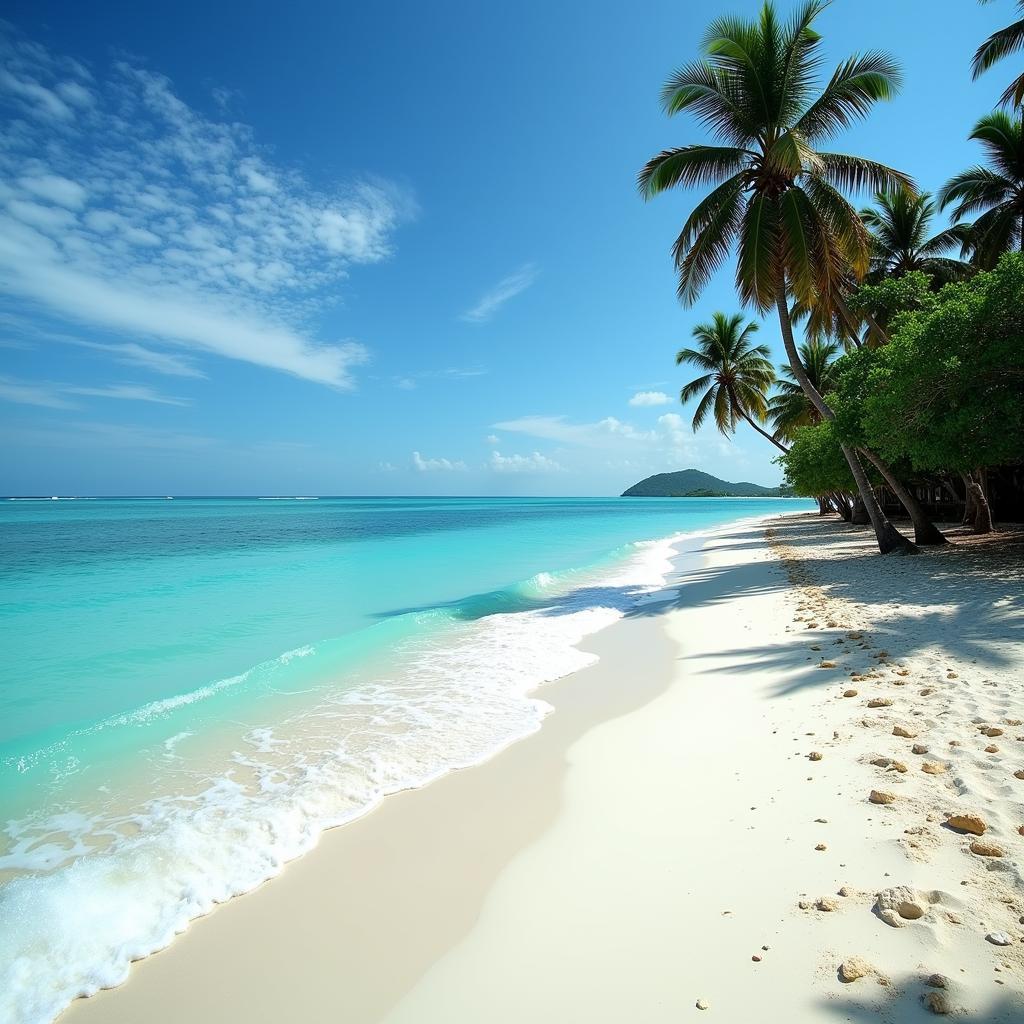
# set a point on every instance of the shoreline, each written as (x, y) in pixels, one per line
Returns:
(603, 866)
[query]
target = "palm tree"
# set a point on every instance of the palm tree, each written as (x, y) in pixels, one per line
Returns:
(899, 225)
(789, 408)
(737, 375)
(776, 198)
(996, 192)
(999, 45)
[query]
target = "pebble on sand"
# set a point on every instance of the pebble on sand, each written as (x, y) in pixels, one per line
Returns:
(933, 767)
(983, 848)
(999, 939)
(877, 796)
(993, 730)
(880, 702)
(849, 693)
(854, 967)
(937, 1002)
(814, 755)
(937, 981)
(967, 823)
(702, 1004)
(899, 904)
(919, 748)
(903, 731)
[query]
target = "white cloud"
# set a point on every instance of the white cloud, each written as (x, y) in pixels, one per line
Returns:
(422, 465)
(507, 288)
(128, 211)
(52, 395)
(668, 439)
(535, 463)
(127, 392)
(26, 393)
(56, 189)
(645, 398)
(132, 354)
(492, 439)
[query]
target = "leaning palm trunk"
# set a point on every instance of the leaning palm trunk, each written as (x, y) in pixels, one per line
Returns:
(764, 433)
(925, 531)
(889, 539)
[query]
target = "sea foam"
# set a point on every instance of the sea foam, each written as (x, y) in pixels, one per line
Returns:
(97, 893)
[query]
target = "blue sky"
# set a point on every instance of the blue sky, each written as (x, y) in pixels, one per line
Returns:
(379, 248)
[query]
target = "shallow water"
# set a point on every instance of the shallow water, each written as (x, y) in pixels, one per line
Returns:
(192, 690)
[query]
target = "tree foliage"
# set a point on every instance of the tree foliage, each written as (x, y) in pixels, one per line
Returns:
(947, 393)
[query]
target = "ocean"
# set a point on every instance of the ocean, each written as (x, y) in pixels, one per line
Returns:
(192, 690)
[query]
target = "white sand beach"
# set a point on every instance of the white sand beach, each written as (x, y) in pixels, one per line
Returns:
(690, 834)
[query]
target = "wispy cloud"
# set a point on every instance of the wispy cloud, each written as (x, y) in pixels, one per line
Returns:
(507, 288)
(127, 392)
(422, 465)
(26, 393)
(647, 398)
(410, 381)
(53, 396)
(132, 354)
(125, 209)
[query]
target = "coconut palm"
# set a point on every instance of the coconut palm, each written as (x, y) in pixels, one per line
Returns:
(899, 224)
(999, 45)
(776, 197)
(737, 375)
(789, 408)
(996, 191)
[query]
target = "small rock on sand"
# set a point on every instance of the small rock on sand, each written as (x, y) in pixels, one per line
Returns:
(854, 967)
(877, 796)
(899, 904)
(919, 748)
(1019, 774)
(983, 848)
(814, 755)
(880, 702)
(993, 730)
(937, 981)
(821, 846)
(849, 693)
(827, 664)
(881, 762)
(991, 749)
(933, 767)
(999, 939)
(937, 1002)
(902, 730)
(846, 891)
(967, 823)
(826, 903)
(702, 1004)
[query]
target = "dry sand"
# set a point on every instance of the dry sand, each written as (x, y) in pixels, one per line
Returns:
(667, 838)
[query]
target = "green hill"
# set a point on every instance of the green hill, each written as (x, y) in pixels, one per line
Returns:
(692, 483)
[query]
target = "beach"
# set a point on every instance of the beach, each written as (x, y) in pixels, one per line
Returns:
(691, 830)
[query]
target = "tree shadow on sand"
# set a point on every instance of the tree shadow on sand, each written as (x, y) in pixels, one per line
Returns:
(903, 1003)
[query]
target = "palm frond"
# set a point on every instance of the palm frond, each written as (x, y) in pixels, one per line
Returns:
(856, 86)
(689, 166)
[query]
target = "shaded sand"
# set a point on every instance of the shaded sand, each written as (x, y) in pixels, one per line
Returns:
(667, 822)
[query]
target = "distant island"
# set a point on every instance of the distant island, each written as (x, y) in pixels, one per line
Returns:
(692, 483)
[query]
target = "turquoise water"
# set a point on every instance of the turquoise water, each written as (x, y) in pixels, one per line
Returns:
(192, 690)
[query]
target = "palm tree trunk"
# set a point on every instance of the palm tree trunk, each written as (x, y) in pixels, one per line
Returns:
(983, 513)
(764, 433)
(888, 537)
(925, 531)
